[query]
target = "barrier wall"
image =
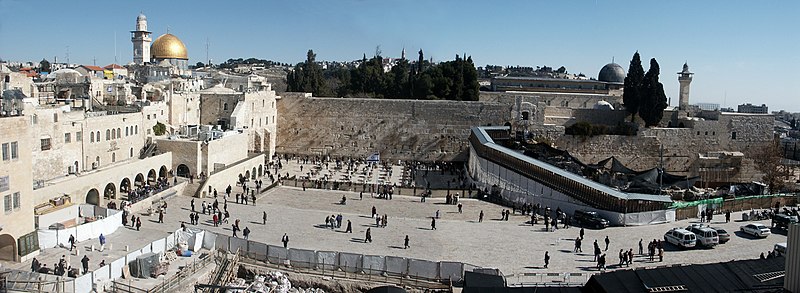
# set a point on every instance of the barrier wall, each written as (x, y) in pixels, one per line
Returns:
(345, 261)
(519, 190)
(106, 226)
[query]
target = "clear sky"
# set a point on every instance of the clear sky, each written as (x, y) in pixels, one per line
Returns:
(740, 51)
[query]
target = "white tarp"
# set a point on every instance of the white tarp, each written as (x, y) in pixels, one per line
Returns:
(373, 264)
(208, 240)
(396, 265)
(106, 226)
(83, 284)
(116, 268)
(423, 268)
(158, 245)
(101, 274)
(327, 260)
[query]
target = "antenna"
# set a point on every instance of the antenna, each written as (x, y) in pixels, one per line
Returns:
(612, 59)
(207, 61)
(67, 54)
(115, 47)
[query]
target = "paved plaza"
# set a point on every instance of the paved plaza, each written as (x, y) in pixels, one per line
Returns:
(513, 246)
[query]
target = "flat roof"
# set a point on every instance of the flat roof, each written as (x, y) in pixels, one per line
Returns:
(485, 139)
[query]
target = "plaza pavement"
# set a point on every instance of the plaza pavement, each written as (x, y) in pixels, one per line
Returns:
(513, 246)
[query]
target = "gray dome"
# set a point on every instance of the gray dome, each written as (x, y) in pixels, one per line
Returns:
(612, 72)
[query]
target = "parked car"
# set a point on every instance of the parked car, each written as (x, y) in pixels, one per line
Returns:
(756, 229)
(723, 235)
(589, 219)
(705, 236)
(780, 248)
(783, 221)
(681, 238)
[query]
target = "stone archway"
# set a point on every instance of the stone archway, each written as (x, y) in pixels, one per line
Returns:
(260, 170)
(8, 248)
(253, 174)
(151, 177)
(139, 181)
(93, 197)
(162, 172)
(247, 174)
(125, 185)
(110, 192)
(183, 171)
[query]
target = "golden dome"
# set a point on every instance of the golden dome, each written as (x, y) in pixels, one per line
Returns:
(168, 46)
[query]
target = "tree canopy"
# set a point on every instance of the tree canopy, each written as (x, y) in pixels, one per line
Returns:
(643, 93)
(451, 80)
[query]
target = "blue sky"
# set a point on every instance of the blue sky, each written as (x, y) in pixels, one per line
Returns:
(740, 51)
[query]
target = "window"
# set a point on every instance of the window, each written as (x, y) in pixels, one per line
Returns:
(126, 131)
(706, 132)
(113, 133)
(91, 136)
(119, 132)
(225, 107)
(137, 129)
(45, 143)
(131, 152)
(6, 153)
(98, 136)
(16, 200)
(55, 117)
(7, 203)
(79, 136)
(733, 135)
(108, 134)
(66, 138)
(34, 119)
(14, 154)
(148, 117)
(113, 157)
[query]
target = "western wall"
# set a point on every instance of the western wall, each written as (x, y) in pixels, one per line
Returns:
(398, 129)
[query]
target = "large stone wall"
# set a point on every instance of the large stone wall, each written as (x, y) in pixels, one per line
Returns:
(398, 129)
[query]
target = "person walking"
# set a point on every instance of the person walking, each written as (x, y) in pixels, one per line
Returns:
(192, 203)
(480, 217)
(581, 233)
(546, 259)
(349, 227)
(459, 208)
(405, 245)
(641, 247)
(285, 240)
(85, 263)
(264, 218)
(71, 241)
(433, 223)
(234, 229)
(727, 216)
(368, 237)
(607, 242)
(596, 250)
(102, 239)
(246, 232)
(578, 245)
(138, 223)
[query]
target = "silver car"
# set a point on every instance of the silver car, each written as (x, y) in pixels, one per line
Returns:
(756, 229)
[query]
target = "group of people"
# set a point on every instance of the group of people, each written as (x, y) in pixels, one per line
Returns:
(145, 191)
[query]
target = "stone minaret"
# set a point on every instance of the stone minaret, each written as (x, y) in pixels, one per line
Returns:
(685, 78)
(141, 39)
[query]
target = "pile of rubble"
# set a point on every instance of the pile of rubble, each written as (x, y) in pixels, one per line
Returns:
(272, 282)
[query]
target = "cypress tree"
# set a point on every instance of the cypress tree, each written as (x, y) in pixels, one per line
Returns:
(654, 100)
(632, 95)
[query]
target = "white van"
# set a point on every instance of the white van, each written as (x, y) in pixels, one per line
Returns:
(705, 236)
(681, 238)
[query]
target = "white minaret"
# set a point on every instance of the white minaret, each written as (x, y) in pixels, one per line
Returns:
(141, 41)
(684, 78)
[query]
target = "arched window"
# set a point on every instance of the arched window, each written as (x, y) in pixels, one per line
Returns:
(55, 117)
(119, 132)
(126, 131)
(98, 136)
(113, 133)
(108, 134)
(137, 129)
(225, 107)
(131, 152)
(91, 136)
(113, 157)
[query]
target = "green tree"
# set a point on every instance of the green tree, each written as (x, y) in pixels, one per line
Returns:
(159, 129)
(654, 100)
(44, 66)
(307, 77)
(632, 91)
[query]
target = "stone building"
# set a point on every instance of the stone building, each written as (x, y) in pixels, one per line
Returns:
(16, 218)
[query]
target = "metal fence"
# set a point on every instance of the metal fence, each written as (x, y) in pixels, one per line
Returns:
(167, 284)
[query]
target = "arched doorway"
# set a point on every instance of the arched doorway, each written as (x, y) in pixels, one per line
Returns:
(162, 173)
(260, 170)
(151, 177)
(93, 197)
(247, 174)
(183, 171)
(8, 248)
(139, 180)
(110, 192)
(254, 173)
(125, 185)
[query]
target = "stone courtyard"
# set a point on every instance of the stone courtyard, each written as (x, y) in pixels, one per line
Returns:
(514, 246)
